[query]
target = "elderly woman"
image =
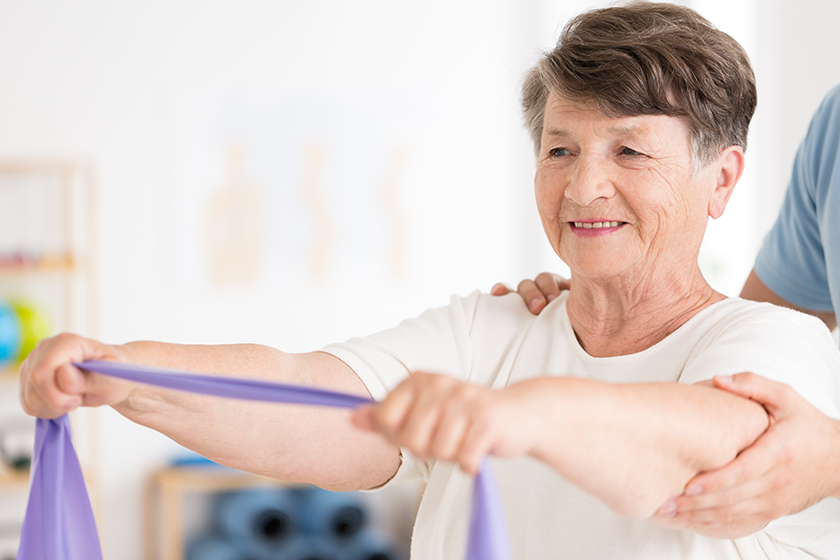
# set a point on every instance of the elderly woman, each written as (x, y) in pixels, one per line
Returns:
(597, 410)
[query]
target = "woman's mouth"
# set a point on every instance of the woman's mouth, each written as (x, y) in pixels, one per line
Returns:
(596, 225)
(595, 229)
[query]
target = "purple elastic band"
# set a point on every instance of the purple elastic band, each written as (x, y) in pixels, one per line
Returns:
(59, 522)
(488, 536)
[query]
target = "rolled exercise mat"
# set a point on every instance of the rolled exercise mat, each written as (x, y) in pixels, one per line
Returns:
(59, 523)
(308, 547)
(372, 544)
(338, 515)
(215, 548)
(259, 522)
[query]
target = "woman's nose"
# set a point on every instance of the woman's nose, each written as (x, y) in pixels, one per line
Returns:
(589, 181)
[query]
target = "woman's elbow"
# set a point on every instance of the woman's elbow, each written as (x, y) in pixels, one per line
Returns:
(749, 420)
(642, 493)
(720, 442)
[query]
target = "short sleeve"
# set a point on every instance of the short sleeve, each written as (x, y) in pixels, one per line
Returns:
(779, 344)
(794, 261)
(437, 341)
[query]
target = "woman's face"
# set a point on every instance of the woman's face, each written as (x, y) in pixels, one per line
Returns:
(617, 196)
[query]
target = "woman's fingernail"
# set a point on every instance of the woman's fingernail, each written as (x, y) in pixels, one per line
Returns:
(725, 379)
(693, 490)
(668, 509)
(535, 303)
(550, 297)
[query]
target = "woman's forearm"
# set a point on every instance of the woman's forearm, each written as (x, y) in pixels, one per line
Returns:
(295, 443)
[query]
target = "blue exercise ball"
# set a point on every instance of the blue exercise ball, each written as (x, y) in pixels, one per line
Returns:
(11, 336)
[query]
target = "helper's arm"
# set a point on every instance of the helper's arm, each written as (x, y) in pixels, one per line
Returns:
(630, 445)
(294, 443)
(754, 289)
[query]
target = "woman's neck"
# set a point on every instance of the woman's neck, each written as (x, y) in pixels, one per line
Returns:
(621, 316)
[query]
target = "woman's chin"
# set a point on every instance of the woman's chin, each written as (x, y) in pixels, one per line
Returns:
(597, 270)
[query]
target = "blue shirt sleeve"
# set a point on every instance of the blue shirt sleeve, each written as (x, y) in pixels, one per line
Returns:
(800, 258)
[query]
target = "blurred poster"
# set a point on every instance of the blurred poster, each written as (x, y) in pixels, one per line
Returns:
(277, 189)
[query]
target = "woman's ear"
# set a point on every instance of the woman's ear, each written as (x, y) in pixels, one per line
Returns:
(730, 168)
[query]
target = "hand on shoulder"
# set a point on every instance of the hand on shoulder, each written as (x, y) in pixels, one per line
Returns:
(536, 293)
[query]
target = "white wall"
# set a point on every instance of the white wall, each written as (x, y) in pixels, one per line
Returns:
(807, 45)
(136, 86)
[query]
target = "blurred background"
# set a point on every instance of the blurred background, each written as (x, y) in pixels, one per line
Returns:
(293, 174)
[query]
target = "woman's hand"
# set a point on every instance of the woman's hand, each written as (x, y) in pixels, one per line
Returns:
(795, 464)
(51, 386)
(438, 417)
(538, 292)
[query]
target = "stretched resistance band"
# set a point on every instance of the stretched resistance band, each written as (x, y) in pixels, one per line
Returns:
(59, 522)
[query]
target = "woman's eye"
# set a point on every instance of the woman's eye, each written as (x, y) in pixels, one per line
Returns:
(556, 152)
(629, 152)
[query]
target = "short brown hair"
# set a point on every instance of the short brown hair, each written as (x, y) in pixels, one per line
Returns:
(648, 58)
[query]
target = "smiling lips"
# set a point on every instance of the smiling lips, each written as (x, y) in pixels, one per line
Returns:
(595, 229)
(596, 225)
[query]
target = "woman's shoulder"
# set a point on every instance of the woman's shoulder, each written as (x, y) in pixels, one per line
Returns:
(739, 322)
(775, 342)
(734, 312)
(505, 318)
(510, 307)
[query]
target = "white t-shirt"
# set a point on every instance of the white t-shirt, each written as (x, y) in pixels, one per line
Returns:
(495, 341)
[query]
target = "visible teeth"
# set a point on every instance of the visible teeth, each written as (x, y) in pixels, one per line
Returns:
(596, 225)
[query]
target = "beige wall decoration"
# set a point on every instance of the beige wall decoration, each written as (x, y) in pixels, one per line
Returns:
(313, 190)
(236, 226)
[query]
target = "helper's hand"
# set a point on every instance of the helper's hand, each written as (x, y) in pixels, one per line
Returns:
(795, 464)
(538, 292)
(438, 417)
(50, 386)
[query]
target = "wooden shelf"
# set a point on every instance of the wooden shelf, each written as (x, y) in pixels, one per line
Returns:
(53, 166)
(14, 479)
(48, 264)
(209, 478)
(9, 376)
(51, 263)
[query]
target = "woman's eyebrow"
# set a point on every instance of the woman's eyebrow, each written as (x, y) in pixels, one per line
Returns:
(556, 132)
(631, 129)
